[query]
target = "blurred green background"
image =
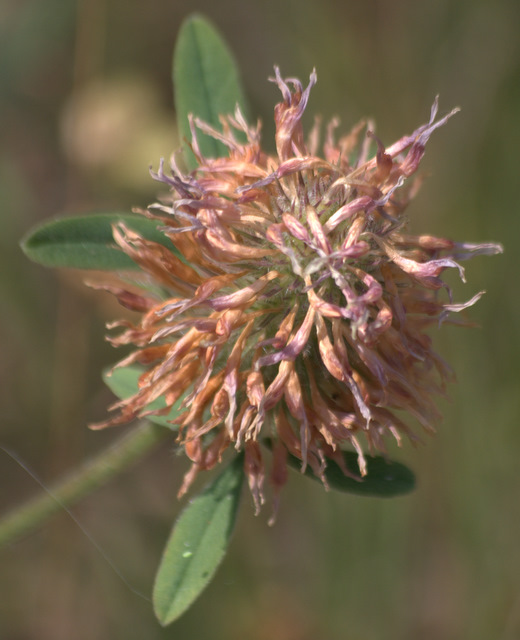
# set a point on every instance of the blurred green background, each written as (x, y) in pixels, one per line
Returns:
(85, 108)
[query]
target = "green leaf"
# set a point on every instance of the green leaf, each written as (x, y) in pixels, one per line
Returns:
(197, 544)
(123, 382)
(206, 83)
(384, 478)
(86, 242)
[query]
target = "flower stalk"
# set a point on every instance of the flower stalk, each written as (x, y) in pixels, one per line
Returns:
(90, 476)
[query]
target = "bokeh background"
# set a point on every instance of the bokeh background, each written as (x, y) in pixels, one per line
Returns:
(85, 108)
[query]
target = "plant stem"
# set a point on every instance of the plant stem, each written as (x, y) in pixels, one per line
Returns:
(90, 476)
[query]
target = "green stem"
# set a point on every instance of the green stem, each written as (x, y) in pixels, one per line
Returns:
(80, 483)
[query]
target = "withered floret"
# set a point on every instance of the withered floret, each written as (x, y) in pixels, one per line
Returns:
(299, 311)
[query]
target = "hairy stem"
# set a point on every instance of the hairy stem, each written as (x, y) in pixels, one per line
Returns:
(90, 476)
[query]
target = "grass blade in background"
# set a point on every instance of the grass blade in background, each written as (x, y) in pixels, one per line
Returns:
(86, 242)
(197, 544)
(206, 82)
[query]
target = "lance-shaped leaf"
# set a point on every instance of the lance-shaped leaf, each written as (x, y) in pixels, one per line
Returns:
(86, 242)
(384, 478)
(197, 544)
(206, 83)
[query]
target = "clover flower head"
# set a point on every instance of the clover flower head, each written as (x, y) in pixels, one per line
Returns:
(293, 305)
